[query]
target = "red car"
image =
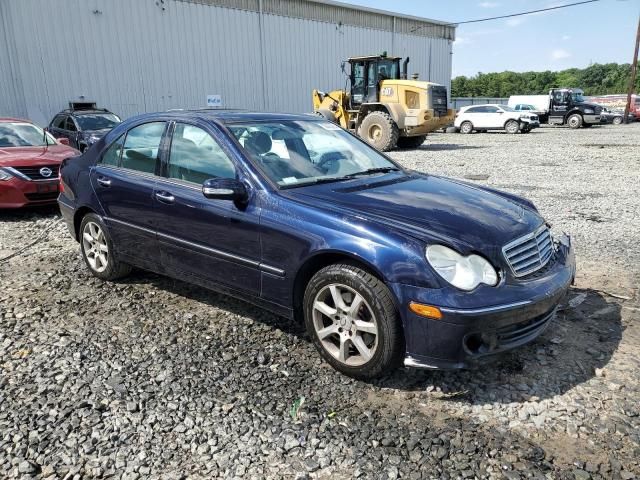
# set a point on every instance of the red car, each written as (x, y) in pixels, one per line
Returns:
(29, 164)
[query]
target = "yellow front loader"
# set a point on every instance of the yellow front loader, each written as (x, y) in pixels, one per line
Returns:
(384, 107)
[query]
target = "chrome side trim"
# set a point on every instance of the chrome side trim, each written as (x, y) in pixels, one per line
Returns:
(219, 253)
(409, 361)
(19, 174)
(130, 225)
(495, 308)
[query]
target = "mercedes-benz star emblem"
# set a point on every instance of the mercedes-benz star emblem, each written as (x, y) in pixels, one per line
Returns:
(46, 172)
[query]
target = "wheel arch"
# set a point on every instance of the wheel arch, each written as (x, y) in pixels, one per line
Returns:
(316, 262)
(77, 219)
(367, 108)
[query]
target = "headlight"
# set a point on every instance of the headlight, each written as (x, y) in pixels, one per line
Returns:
(93, 139)
(465, 273)
(588, 110)
(4, 175)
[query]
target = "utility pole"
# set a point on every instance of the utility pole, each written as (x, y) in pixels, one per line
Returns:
(634, 71)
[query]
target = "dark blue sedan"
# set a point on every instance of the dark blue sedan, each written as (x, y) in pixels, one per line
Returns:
(385, 266)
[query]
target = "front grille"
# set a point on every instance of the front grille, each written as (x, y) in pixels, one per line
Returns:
(34, 173)
(41, 197)
(530, 252)
(438, 97)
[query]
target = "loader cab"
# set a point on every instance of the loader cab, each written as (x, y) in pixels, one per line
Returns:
(366, 75)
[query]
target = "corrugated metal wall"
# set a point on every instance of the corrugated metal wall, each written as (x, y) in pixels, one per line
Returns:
(135, 56)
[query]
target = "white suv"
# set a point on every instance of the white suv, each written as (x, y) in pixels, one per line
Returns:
(495, 117)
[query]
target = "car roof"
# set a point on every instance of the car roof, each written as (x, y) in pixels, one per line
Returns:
(83, 112)
(229, 115)
(12, 119)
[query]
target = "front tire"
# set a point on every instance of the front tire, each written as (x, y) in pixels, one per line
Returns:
(411, 142)
(380, 131)
(466, 128)
(512, 127)
(617, 120)
(574, 121)
(351, 318)
(97, 249)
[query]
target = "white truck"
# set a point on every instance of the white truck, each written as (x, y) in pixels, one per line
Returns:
(563, 106)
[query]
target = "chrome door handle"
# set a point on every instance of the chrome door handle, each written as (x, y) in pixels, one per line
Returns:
(105, 182)
(165, 197)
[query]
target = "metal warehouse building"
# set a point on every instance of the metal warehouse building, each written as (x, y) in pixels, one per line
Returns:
(135, 56)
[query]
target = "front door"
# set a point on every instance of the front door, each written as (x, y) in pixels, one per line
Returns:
(212, 242)
(124, 180)
(493, 117)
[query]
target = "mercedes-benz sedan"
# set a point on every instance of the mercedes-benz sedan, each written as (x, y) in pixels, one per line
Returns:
(383, 265)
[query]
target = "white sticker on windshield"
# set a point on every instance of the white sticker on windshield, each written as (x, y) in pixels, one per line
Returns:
(289, 180)
(330, 126)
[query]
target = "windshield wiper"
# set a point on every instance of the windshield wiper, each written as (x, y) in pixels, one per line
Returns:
(371, 171)
(317, 181)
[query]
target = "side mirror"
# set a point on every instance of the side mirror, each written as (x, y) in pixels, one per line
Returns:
(225, 189)
(63, 141)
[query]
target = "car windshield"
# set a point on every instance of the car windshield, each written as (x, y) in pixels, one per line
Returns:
(22, 134)
(97, 121)
(507, 108)
(296, 153)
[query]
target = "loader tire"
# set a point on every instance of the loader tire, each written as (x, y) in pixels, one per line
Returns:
(380, 131)
(411, 142)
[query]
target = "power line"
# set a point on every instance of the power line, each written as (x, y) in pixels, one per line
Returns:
(516, 14)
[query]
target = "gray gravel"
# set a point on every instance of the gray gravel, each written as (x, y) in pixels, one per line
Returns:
(153, 378)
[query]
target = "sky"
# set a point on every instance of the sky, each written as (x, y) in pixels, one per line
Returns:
(600, 32)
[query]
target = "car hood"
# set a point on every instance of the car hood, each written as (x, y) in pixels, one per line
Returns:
(34, 156)
(431, 208)
(98, 133)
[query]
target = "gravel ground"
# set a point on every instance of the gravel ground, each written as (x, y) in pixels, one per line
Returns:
(153, 378)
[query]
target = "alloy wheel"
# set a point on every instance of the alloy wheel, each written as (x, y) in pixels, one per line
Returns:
(94, 246)
(345, 324)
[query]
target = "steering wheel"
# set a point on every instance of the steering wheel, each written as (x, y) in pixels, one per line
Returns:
(328, 159)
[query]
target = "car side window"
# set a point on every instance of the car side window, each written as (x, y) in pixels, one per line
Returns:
(59, 121)
(473, 110)
(195, 156)
(491, 109)
(70, 125)
(113, 153)
(141, 147)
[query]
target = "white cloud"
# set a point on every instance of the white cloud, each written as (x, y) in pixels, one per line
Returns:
(560, 54)
(488, 4)
(515, 21)
(566, 37)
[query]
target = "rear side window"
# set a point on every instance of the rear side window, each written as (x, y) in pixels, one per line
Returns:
(195, 156)
(58, 122)
(113, 153)
(141, 147)
(69, 125)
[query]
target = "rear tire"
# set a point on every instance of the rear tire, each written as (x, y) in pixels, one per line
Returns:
(380, 131)
(98, 251)
(351, 317)
(411, 142)
(574, 121)
(466, 128)
(512, 127)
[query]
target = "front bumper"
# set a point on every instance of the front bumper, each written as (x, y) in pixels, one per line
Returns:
(487, 321)
(530, 124)
(591, 118)
(18, 193)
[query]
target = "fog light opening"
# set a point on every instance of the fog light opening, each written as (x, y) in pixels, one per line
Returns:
(473, 343)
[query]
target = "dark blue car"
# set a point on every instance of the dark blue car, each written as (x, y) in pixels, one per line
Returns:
(384, 265)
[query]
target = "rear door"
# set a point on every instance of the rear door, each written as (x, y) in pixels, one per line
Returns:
(124, 180)
(215, 241)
